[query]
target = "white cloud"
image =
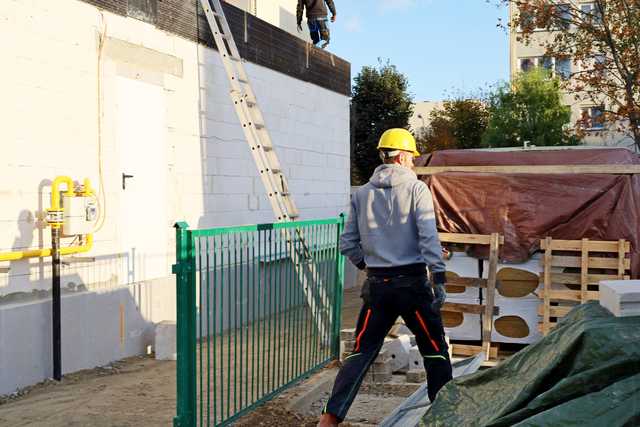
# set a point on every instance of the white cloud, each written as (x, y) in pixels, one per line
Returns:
(353, 24)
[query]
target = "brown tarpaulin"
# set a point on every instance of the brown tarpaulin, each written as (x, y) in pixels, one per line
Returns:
(526, 207)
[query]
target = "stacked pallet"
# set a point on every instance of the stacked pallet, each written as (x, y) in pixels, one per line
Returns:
(572, 271)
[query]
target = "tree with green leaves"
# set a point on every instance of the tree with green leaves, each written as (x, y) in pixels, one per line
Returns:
(529, 109)
(459, 124)
(380, 101)
(602, 39)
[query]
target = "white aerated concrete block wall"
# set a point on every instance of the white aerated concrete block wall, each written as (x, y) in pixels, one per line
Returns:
(159, 109)
(524, 315)
(533, 265)
(621, 297)
(464, 266)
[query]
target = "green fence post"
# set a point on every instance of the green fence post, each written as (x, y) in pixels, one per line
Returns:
(339, 288)
(184, 269)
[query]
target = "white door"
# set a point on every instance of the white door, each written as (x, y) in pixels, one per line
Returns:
(142, 144)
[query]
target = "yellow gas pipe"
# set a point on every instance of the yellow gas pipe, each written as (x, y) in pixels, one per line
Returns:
(56, 210)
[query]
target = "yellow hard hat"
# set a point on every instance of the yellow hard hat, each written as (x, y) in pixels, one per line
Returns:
(398, 139)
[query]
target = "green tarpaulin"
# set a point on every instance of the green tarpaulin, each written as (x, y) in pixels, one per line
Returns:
(586, 372)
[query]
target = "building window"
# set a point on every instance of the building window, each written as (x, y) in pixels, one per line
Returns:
(600, 64)
(563, 16)
(592, 118)
(591, 13)
(560, 67)
(563, 68)
(527, 64)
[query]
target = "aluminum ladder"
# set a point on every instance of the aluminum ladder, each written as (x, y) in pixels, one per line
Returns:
(266, 160)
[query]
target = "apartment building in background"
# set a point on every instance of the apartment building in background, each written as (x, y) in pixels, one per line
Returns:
(524, 57)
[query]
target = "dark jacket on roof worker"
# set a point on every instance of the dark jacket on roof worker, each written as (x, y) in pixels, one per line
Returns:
(317, 19)
(391, 231)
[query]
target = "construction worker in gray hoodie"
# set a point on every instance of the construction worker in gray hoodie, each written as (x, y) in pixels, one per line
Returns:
(317, 19)
(391, 232)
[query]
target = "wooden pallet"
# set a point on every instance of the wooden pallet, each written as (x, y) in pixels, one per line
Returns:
(572, 270)
(488, 309)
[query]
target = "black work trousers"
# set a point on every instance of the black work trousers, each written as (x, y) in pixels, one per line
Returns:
(384, 299)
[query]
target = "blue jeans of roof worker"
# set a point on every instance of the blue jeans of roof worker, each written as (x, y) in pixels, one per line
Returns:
(319, 30)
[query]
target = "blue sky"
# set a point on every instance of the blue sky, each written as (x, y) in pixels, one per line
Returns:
(440, 45)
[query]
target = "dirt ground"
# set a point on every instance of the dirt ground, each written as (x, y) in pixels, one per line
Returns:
(138, 391)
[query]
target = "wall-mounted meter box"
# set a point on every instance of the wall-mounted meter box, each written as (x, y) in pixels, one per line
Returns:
(80, 215)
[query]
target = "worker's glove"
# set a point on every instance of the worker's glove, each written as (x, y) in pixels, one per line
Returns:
(439, 295)
(333, 18)
(299, 28)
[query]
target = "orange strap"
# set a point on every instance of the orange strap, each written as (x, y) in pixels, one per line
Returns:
(424, 327)
(364, 328)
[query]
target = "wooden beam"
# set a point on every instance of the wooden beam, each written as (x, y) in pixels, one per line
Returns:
(594, 245)
(568, 295)
(621, 256)
(468, 308)
(468, 282)
(472, 350)
(584, 270)
(574, 278)
(487, 321)
(576, 262)
(555, 310)
(535, 169)
(469, 239)
(547, 287)
(551, 326)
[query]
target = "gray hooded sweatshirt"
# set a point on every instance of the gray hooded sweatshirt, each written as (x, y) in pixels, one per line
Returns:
(392, 222)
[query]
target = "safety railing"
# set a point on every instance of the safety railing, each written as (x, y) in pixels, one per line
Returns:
(258, 308)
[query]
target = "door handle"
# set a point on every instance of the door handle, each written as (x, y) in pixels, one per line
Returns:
(124, 180)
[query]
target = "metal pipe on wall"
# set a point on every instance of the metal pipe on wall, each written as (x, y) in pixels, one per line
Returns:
(55, 306)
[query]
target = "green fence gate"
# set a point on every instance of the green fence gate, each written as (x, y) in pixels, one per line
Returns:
(258, 308)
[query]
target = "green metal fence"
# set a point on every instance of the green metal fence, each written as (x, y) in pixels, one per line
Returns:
(258, 309)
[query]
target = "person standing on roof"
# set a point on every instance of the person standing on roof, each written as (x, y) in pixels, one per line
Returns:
(317, 19)
(391, 232)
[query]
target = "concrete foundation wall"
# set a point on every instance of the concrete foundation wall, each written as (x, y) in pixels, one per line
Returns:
(104, 95)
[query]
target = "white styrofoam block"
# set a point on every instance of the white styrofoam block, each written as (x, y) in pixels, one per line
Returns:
(415, 358)
(464, 266)
(471, 327)
(525, 311)
(398, 350)
(621, 297)
(165, 343)
(533, 265)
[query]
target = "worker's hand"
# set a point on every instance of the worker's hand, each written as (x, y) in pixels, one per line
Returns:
(299, 28)
(333, 18)
(440, 295)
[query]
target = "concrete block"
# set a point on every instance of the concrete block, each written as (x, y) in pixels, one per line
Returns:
(398, 350)
(462, 265)
(165, 342)
(380, 377)
(462, 326)
(416, 376)
(347, 334)
(514, 280)
(621, 297)
(517, 322)
(399, 329)
(415, 359)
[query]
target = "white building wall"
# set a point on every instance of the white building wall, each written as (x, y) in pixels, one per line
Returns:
(281, 13)
(54, 122)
